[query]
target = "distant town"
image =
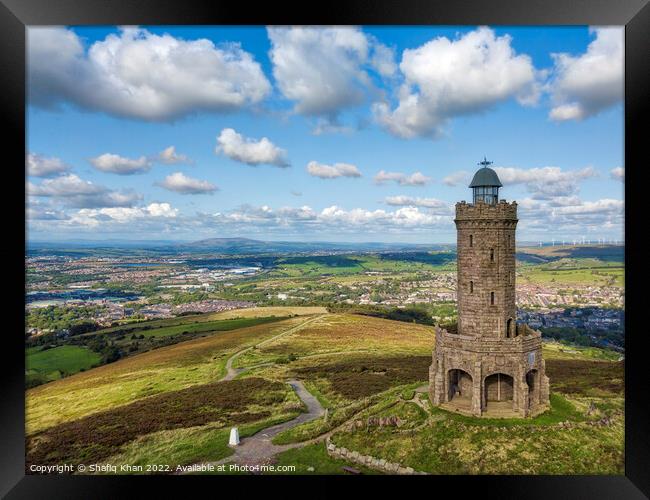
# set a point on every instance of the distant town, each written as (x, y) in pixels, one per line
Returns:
(577, 289)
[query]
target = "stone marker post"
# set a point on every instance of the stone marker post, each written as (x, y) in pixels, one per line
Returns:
(234, 437)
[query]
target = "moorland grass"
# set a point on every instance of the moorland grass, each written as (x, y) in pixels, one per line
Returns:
(349, 363)
(191, 445)
(364, 376)
(171, 368)
(558, 350)
(97, 436)
(345, 333)
(586, 377)
(319, 426)
(455, 444)
(223, 325)
(255, 312)
(315, 457)
(186, 324)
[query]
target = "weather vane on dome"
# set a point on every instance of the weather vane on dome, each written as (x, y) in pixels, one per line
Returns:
(485, 162)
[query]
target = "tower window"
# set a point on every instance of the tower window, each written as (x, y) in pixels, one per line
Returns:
(491, 254)
(508, 241)
(491, 298)
(471, 287)
(471, 240)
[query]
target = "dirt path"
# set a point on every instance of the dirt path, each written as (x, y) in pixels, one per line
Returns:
(231, 372)
(258, 449)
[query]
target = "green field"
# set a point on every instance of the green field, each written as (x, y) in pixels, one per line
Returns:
(191, 325)
(309, 267)
(612, 275)
(52, 364)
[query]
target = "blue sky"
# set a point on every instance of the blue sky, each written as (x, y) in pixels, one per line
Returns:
(339, 134)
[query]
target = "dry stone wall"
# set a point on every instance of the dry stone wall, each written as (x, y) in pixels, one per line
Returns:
(368, 461)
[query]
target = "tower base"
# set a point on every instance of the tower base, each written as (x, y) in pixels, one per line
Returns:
(489, 377)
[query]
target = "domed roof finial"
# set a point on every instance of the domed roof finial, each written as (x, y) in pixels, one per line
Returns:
(485, 162)
(485, 176)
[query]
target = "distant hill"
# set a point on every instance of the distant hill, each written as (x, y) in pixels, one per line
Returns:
(247, 245)
(250, 247)
(540, 255)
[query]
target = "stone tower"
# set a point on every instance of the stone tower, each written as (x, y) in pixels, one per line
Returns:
(488, 363)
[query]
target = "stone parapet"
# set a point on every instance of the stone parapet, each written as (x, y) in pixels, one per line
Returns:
(530, 341)
(500, 211)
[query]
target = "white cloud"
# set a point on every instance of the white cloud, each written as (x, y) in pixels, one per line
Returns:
(415, 179)
(169, 156)
(570, 217)
(117, 164)
(333, 217)
(438, 205)
(95, 217)
(461, 177)
(76, 192)
(332, 171)
(36, 211)
(585, 85)
(41, 166)
(138, 74)
(407, 216)
(331, 125)
(180, 183)
(250, 151)
(161, 210)
(383, 60)
(446, 78)
(321, 68)
(64, 185)
(618, 173)
(546, 182)
(593, 207)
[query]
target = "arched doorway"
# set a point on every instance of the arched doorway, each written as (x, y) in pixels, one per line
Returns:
(498, 391)
(532, 379)
(460, 387)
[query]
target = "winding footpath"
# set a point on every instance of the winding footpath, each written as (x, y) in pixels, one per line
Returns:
(231, 372)
(258, 449)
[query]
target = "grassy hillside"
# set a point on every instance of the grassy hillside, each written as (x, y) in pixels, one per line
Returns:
(100, 435)
(256, 312)
(167, 328)
(167, 404)
(197, 361)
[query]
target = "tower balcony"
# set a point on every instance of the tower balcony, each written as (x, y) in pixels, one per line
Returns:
(525, 340)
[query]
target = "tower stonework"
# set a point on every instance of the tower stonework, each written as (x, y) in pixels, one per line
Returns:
(488, 363)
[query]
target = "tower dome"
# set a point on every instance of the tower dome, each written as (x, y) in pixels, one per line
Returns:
(485, 184)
